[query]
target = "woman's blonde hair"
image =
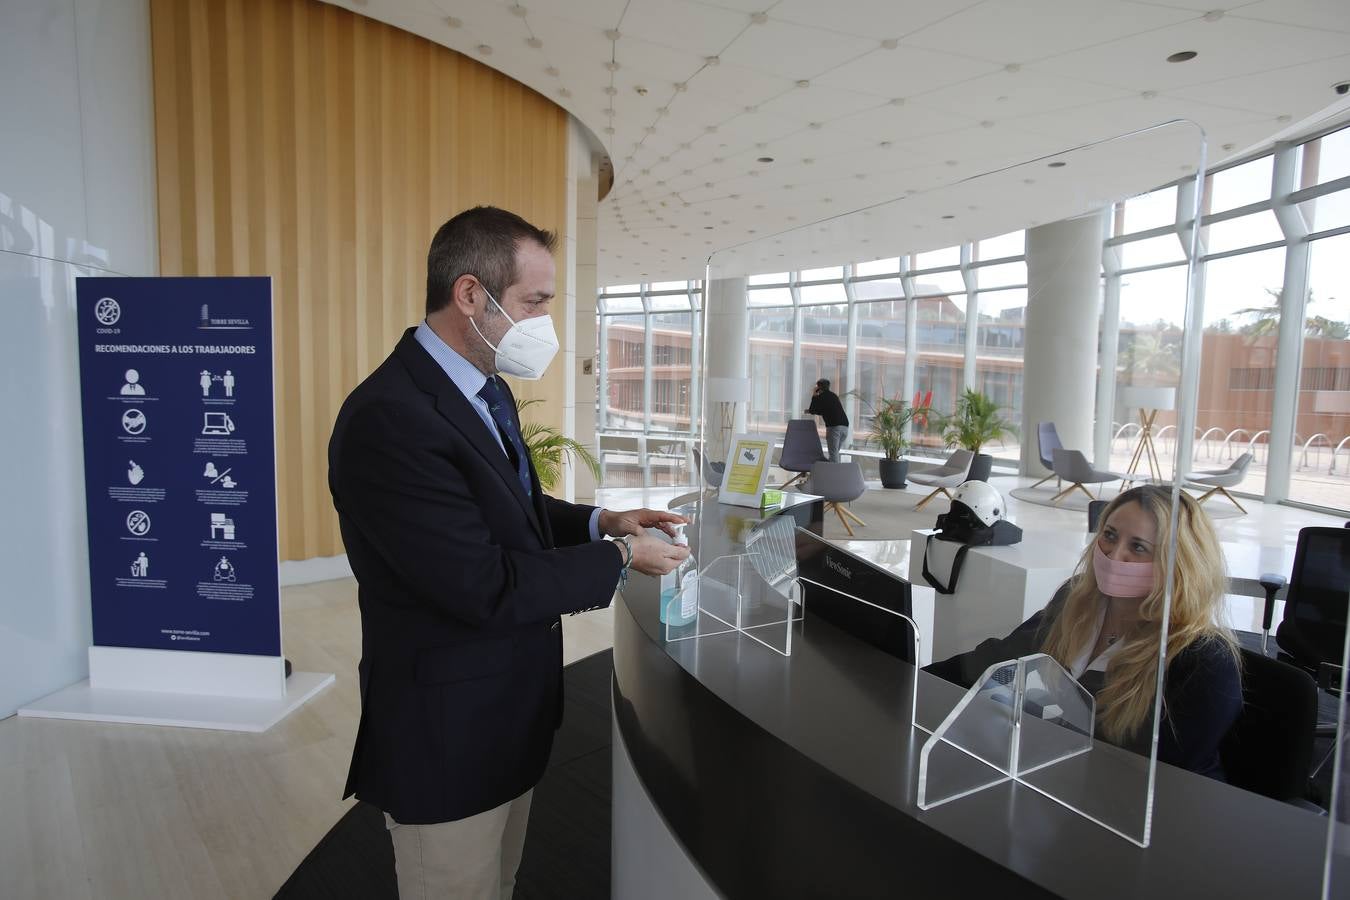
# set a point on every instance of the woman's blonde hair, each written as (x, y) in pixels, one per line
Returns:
(1126, 699)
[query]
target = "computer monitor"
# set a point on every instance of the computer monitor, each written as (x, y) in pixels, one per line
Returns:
(823, 563)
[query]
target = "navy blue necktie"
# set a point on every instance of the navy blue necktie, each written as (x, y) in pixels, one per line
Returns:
(492, 394)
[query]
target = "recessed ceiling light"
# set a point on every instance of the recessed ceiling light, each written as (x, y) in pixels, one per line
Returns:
(1058, 164)
(687, 172)
(897, 101)
(860, 176)
(1012, 67)
(949, 217)
(453, 22)
(551, 71)
(613, 34)
(611, 90)
(890, 44)
(646, 171)
(718, 159)
(1149, 95)
(639, 90)
(885, 145)
(711, 60)
(534, 42)
(759, 18)
(612, 66)
(707, 184)
(681, 87)
(485, 49)
(1213, 15)
(751, 109)
(815, 126)
(807, 161)
(1182, 56)
(1028, 180)
(608, 111)
(518, 10)
(735, 196)
(564, 92)
(711, 129)
(788, 187)
(1283, 118)
(707, 228)
(986, 124)
(803, 83)
(765, 159)
(1229, 146)
(650, 130)
(662, 110)
(951, 162)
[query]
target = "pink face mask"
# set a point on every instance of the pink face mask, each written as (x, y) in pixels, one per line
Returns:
(1121, 579)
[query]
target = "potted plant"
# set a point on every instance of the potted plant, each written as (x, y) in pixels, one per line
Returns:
(888, 428)
(547, 447)
(974, 423)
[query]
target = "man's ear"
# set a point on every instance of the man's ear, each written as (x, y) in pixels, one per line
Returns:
(463, 297)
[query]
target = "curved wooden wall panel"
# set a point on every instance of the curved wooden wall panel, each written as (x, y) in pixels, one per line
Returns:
(301, 141)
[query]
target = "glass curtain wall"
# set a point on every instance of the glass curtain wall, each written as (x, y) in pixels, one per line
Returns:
(1275, 239)
(648, 351)
(1274, 270)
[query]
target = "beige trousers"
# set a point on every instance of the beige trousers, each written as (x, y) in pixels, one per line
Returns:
(468, 859)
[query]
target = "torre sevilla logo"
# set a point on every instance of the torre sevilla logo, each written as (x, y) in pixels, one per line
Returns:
(210, 323)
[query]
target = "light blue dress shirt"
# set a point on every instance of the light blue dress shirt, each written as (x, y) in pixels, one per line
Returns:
(470, 380)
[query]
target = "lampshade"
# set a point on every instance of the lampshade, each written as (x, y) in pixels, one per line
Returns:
(728, 390)
(1149, 397)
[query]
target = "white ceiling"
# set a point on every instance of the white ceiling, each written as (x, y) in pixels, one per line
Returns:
(900, 96)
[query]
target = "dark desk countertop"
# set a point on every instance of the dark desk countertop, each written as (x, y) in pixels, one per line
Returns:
(796, 777)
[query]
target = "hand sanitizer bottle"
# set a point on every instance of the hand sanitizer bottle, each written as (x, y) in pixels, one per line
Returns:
(684, 610)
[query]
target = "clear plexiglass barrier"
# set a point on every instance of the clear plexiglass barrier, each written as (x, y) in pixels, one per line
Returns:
(888, 341)
(1048, 276)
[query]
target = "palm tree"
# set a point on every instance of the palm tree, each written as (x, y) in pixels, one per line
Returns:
(1267, 321)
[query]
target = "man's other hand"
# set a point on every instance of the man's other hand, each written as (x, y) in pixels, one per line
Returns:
(636, 521)
(653, 556)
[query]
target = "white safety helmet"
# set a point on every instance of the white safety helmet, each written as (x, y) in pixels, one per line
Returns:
(981, 498)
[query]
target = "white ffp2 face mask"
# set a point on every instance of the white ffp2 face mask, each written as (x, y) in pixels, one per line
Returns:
(527, 347)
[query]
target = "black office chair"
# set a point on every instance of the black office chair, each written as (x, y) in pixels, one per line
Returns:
(1269, 749)
(1312, 633)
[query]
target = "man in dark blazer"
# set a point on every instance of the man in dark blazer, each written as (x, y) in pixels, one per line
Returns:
(464, 565)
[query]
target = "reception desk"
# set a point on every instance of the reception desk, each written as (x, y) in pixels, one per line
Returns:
(739, 772)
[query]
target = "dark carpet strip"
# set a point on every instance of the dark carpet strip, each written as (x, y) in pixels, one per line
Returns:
(566, 847)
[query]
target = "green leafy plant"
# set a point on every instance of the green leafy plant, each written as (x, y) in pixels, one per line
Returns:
(889, 419)
(975, 422)
(548, 447)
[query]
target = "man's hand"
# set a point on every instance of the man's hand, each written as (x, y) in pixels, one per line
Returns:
(636, 521)
(653, 556)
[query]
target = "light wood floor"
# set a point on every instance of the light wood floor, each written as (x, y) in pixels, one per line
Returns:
(128, 811)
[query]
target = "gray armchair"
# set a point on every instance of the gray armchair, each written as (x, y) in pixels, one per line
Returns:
(1072, 466)
(1219, 480)
(948, 475)
(839, 483)
(801, 449)
(1048, 442)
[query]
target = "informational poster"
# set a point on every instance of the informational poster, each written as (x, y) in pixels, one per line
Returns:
(180, 463)
(746, 471)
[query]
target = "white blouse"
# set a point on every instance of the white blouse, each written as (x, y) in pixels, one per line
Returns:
(1082, 663)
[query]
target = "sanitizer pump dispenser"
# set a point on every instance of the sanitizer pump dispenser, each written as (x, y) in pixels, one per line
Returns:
(681, 583)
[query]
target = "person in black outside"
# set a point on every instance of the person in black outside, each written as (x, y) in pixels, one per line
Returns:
(825, 403)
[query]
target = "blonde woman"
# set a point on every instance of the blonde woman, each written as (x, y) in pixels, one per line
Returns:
(1103, 626)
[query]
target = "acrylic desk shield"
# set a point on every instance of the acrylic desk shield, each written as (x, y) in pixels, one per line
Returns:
(1025, 725)
(753, 592)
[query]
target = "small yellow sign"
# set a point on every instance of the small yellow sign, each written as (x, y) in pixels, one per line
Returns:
(745, 474)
